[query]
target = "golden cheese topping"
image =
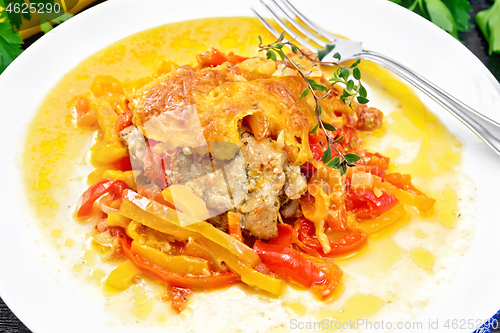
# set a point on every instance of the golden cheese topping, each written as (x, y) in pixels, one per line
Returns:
(189, 107)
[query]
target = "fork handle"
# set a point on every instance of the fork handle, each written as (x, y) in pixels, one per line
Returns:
(485, 128)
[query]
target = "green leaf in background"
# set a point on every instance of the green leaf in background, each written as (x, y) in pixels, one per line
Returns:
(450, 15)
(10, 42)
(441, 16)
(47, 24)
(461, 11)
(488, 21)
(17, 18)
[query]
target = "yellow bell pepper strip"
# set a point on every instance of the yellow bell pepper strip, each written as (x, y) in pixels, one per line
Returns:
(176, 264)
(420, 201)
(239, 257)
(184, 200)
(109, 154)
(165, 219)
(193, 249)
(259, 125)
(140, 217)
(108, 149)
(198, 282)
(248, 275)
(121, 277)
(315, 205)
(371, 226)
(106, 118)
(117, 220)
(234, 225)
(85, 117)
(153, 194)
(125, 176)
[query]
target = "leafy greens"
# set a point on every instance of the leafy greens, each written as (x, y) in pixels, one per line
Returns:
(488, 21)
(10, 42)
(450, 15)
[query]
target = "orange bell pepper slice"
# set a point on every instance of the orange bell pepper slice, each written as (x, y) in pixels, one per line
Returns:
(198, 282)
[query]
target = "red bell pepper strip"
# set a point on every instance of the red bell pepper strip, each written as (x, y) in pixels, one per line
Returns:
(305, 238)
(215, 58)
(331, 270)
(366, 205)
(198, 282)
(320, 275)
(289, 263)
(373, 163)
(318, 142)
(308, 170)
(403, 182)
(124, 120)
(108, 185)
(124, 164)
(285, 233)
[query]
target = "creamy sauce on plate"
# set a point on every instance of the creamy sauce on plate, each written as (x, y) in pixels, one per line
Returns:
(425, 250)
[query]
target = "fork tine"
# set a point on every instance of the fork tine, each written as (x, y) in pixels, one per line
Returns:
(309, 23)
(289, 31)
(267, 25)
(299, 27)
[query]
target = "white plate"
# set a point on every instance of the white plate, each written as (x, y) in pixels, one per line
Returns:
(30, 289)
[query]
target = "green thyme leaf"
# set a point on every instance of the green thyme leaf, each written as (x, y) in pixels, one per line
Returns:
(339, 139)
(334, 163)
(350, 85)
(354, 64)
(327, 155)
(329, 127)
(356, 73)
(352, 90)
(304, 93)
(362, 100)
(343, 169)
(318, 110)
(362, 91)
(271, 55)
(282, 55)
(315, 128)
(317, 86)
(281, 37)
(352, 158)
(260, 39)
(346, 94)
(344, 73)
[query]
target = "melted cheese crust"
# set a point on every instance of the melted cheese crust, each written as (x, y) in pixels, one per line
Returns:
(191, 102)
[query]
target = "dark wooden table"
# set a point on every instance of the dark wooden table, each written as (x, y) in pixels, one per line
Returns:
(473, 39)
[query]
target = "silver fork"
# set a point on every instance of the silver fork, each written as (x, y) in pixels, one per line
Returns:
(485, 128)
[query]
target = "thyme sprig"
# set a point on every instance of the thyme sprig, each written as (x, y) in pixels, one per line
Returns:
(349, 78)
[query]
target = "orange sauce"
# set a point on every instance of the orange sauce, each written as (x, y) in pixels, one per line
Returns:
(55, 149)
